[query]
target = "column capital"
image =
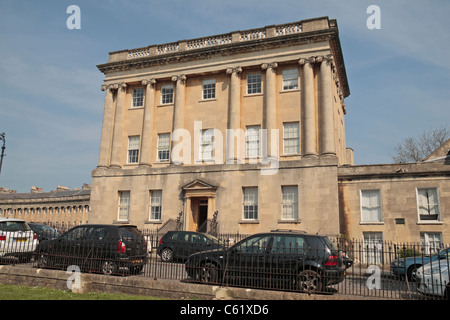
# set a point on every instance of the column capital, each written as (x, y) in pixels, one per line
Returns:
(150, 82)
(109, 87)
(236, 70)
(304, 61)
(271, 65)
(181, 78)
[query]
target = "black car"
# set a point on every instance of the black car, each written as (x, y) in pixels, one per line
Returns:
(43, 231)
(279, 259)
(179, 245)
(103, 248)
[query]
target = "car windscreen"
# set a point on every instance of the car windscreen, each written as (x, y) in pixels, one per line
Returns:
(130, 233)
(14, 226)
(214, 239)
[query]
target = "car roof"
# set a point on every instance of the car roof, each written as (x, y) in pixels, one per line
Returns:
(11, 219)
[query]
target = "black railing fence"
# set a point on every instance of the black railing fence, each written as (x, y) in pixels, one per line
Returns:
(351, 267)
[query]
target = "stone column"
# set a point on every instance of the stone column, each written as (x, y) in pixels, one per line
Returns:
(116, 152)
(147, 123)
(234, 113)
(270, 108)
(107, 127)
(327, 142)
(178, 109)
(308, 115)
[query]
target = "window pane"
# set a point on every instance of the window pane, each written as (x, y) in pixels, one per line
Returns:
(209, 89)
(291, 141)
(167, 94)
(138, 97)
(370, 206)
(290, 79)
(133, 149)
(207, 144)
(124, 205)
(252, 141)
(289, 203)
(253, 83)
(163, 146)
(155, 204)
(250, 203)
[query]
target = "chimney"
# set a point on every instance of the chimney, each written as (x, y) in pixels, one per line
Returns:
(35, 189)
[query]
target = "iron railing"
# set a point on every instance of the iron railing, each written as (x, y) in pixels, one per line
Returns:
(383, 269)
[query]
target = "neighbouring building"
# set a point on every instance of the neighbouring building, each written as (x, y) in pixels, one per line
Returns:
(62, 208)
(245, 132)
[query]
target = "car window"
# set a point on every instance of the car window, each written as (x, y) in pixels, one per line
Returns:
(198, 239)
(130, 233)
(181, 236)
(76, 234)
(14, 226)
(288, 244)
(99, 233)
(256, 244)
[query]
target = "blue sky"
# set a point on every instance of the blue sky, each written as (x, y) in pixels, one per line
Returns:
(51, 104)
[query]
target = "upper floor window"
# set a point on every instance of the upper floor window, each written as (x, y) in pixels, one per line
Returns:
(428, 204)
(167, 94)
(370, 206)
(252, 141)
(253, 83)
(163, 147)
(137, 97)
(209, 89)
(291, 142)
(133, 149)
(290, 79)
(207, 144)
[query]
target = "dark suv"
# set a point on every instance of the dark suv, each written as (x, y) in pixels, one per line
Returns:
(96, 247)
(179, 245)
(278, 259)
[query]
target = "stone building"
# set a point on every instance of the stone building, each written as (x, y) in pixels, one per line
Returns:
(62, 208)
(245, 132)
(243, 129)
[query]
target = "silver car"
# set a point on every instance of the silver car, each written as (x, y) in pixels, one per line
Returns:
(433, 277)
(17, 240)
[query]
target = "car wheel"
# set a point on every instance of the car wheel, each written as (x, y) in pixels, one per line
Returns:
(42, 260)
(412, 273)
(309, 281)
(109, 267)
(166, 255)
(208, 273)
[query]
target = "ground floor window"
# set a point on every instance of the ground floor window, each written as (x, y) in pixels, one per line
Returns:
(155, 204)
(124, 205)
(250, 203)
(372, 247)
(431, 242)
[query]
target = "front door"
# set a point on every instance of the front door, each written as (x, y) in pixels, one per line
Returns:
(202, 224)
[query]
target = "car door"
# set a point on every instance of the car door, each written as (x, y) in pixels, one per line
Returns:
(181, 245)
(246, 263)
(67, 248)
(286, 257)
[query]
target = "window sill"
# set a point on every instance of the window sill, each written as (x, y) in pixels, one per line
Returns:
(207, 100)
(248, 221)
(293, 221)
(121, 222)
(289, 91)
(248, 95)
(371, 223)
(165, 105)
(430, 222)
(153, 222)
(136, 108)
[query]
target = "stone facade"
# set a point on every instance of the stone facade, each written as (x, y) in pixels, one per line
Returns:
(62, 208)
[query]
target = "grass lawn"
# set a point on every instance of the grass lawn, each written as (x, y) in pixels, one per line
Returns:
(13, 292)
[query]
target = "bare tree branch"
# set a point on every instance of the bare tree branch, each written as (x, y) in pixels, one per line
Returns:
(417, 149)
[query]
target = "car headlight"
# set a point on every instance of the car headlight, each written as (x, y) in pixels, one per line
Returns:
(435, 270)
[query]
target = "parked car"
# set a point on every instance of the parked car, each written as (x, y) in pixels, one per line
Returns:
(433, 277)
(17, 240)
(96, 247)
(179, 245)
(408, 266)
(43, 231)
(283, 259)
